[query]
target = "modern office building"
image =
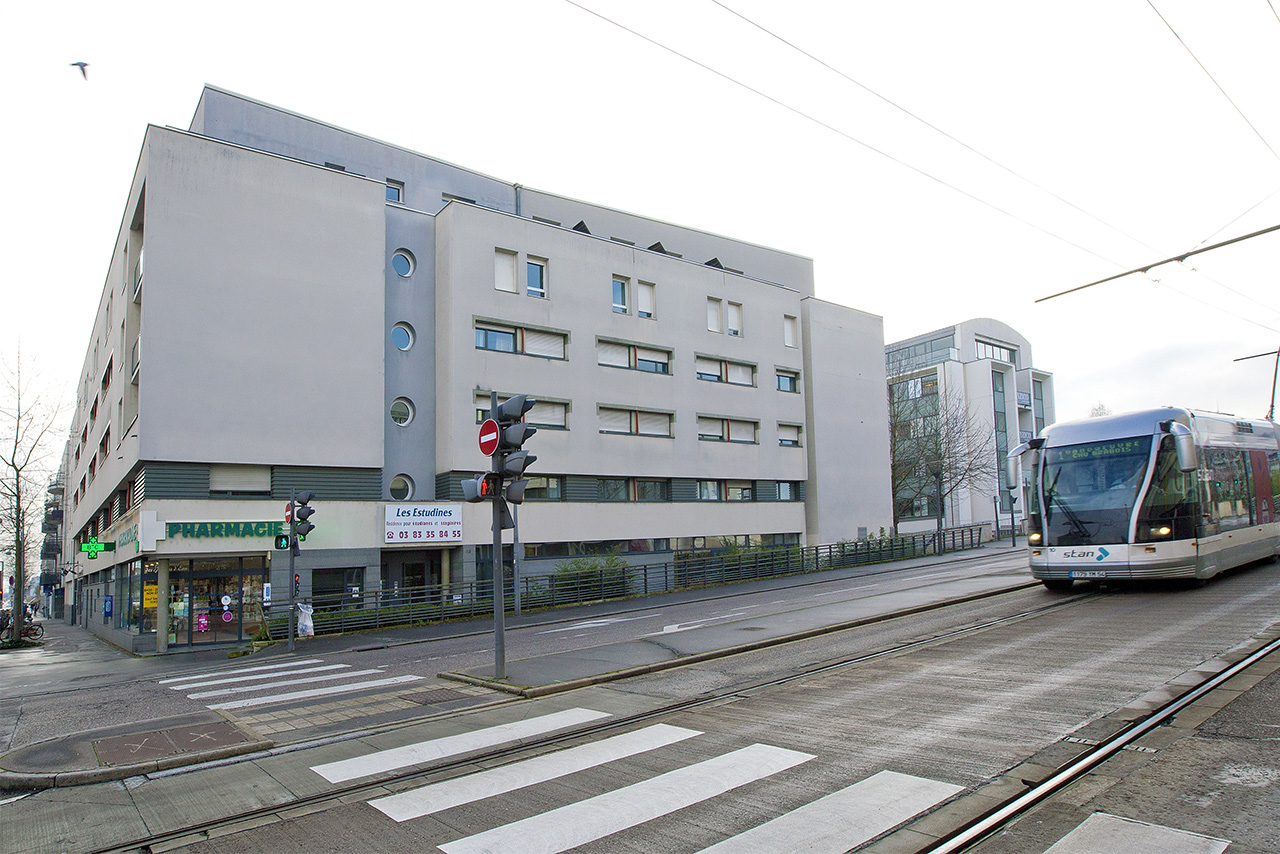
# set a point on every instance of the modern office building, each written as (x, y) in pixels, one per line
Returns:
(980, 374)
(293, 306)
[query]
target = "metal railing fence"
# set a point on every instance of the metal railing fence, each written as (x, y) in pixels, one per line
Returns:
(354, 611)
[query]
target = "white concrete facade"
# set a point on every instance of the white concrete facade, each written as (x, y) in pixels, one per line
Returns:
(294, 306)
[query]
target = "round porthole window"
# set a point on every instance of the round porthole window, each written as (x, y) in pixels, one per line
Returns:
(401, 487)
(402, 262)
(402, 336)
(402, 410)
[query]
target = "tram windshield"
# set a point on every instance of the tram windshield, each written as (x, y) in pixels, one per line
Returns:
(1090, 489)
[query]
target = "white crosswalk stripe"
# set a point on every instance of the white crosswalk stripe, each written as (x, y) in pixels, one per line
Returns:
(453, 745)
(266, 681)
(1103, 832)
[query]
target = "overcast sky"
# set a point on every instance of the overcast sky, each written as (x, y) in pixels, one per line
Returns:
(1069, 142)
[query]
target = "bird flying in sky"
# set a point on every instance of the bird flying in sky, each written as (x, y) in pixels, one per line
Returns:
(82, 66)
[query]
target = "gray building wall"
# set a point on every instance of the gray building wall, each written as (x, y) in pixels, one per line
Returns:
(850, 490)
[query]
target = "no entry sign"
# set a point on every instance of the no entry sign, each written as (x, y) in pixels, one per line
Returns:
(488, 437)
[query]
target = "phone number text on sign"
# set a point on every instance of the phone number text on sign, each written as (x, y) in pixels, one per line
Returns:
(423, 523)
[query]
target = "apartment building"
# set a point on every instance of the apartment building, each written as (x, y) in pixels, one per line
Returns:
(294, 306)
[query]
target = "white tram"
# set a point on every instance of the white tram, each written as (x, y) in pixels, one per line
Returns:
(1162, 493)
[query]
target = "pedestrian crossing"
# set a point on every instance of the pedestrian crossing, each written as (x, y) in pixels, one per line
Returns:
(833, 823)
(830, 824)
(262, 685)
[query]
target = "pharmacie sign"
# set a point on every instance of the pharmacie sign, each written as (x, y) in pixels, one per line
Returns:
(423, 523)
(223, 530)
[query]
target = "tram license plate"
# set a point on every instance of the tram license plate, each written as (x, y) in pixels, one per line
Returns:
(1088, 573)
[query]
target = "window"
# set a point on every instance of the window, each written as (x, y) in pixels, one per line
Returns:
(710, 490)
(535, 273)
(714, 322)
(726, 430)
(735, 319)
(789, 435)
(402, 336)
(239, 478)
(402, 263)
(788, 491)
(612, 489)
(615, 354)
(545, 413)
(711, 370)
(742, 431)
(401, 487)
(402, 411)
(711, 429)
(504, 271)
(790, 331)
(634, 422)
(512, 339)
(788, 381)
(544, 489)
(740, 373)
(987, 350)
(500, 340)
(619, 295)
(722, 370)
(653, 490)
(738, 490)
(395, 191)
(646, 299)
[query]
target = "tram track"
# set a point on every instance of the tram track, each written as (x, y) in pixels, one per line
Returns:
(342, 794)
(972, 833)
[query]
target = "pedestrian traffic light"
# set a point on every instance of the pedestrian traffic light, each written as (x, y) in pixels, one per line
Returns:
(482, 487)
(510, 460)
(282, 541)
(302, 515)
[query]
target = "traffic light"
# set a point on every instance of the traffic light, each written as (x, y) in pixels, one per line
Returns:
(297, 585)
(482, 487)
(302, 515)
(282, 541)
(510, 460)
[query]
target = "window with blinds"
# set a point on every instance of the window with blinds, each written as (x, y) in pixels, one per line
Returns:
(634, 422)
(549, 345)
(617, 355)
(504, 271)
(613, 355)
(646, 299)
(789, 435)
(234, 478)
(742, 431)
(741, 373)
(711, 429)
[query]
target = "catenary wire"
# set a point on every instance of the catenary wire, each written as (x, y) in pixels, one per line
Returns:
(1211, 78)
(807, 116)
(932, 126)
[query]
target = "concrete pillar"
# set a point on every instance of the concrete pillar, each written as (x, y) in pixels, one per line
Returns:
(162, 606)
(444, 570)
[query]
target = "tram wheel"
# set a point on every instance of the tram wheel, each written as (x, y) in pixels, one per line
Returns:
(1058, 585)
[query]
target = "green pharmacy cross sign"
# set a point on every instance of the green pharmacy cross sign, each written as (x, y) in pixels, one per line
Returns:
(93, 547)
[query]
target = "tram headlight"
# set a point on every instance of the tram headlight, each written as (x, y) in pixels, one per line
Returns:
(1034, 538)
(1160, 532)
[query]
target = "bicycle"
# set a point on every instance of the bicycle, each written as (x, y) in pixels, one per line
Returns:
(34, 631)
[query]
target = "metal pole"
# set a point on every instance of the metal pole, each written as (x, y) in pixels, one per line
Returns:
(291, 569)
(499, 605)
(1272, 411)
(515, 554)
(938, 475)
(1013, 532)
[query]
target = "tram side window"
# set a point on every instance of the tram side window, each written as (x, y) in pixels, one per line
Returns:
(1229, 488)
(1169, 509)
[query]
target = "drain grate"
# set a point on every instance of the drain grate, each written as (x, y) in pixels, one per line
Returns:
(436, 695)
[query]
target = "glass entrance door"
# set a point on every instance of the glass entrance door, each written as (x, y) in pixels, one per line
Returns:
(215, 609)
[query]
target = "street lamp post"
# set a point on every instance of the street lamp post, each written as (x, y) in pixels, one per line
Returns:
(935, 468)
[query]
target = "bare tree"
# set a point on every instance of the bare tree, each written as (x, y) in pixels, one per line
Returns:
(26, 425)
(932, 434)
(1099, 410)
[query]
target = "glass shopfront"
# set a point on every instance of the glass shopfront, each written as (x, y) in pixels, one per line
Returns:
(211, 601)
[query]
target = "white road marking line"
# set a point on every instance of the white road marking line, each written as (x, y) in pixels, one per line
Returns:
(257, 677)
(843, 819)
(209, 673)
(697, 624)
(1103, 832)
(585, 821)
(246, 689)
(508, 778)
(451, 745)
(595, 624)
(314, 692)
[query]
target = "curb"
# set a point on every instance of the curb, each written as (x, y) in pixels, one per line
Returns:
(19, 781)
(530, 692)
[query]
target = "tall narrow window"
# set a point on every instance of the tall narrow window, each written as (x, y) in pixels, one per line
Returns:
(735, 319)
(619, 295)
(536, 278)
(646, 299)
(790, 331)
(714, 322)
(504, 271)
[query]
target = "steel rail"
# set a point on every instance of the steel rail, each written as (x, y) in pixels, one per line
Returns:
(985, 825)
(206, 830)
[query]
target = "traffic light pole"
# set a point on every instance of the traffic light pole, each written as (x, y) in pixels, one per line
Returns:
(292, 523)
(499, 603)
